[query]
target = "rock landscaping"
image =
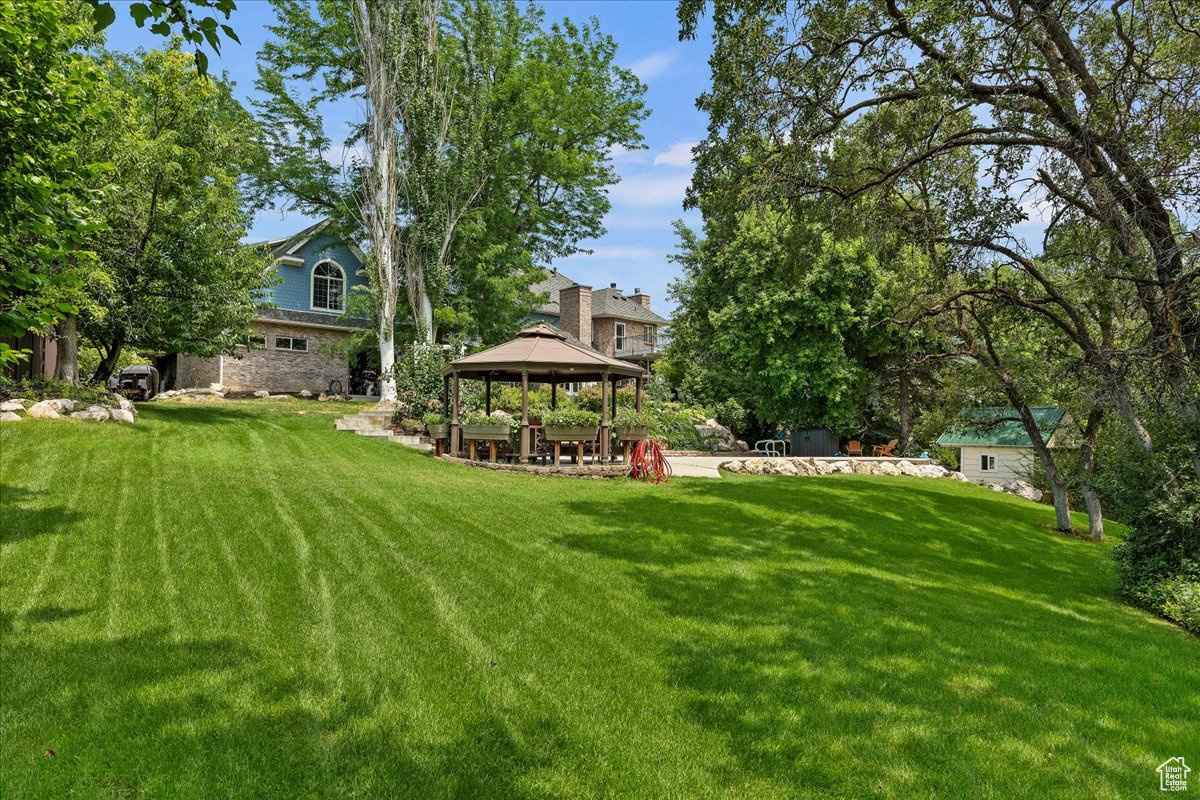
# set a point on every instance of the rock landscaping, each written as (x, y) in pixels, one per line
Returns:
(62, 408)
(813, 466)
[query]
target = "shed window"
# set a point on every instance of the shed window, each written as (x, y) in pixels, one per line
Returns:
(987, 463)
(291, 343)
(328, 286)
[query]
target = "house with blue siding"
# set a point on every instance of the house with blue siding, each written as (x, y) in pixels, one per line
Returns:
(301, 336)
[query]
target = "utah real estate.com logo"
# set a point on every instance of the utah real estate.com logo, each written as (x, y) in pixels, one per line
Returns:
(1172, 775)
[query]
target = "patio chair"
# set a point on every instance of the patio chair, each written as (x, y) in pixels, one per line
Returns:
(854, 447)
(885, 450)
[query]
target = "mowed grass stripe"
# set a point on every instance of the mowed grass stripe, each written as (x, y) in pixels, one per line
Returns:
(742, 638)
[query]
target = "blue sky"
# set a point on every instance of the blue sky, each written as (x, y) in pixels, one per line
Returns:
(633, 252)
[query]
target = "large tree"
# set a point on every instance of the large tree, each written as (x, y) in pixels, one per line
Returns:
(48, 205)
(1086, 111)
(180, 279)
(503, 129)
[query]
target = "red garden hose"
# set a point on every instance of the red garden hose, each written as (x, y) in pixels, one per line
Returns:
(648, 462)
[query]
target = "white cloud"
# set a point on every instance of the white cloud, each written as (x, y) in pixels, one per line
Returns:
(653, 65)
(650, 190)
(620, 154)
(677, 155)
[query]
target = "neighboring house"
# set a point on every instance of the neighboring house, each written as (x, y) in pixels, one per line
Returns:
(994, 446)
(618, 325)
(301, 342)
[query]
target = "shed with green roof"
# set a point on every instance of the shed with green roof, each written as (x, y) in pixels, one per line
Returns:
(994, 445)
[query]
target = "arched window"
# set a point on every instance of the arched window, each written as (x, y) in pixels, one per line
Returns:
(328, 287)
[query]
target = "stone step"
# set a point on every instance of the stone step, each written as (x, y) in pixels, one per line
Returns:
(413, 442)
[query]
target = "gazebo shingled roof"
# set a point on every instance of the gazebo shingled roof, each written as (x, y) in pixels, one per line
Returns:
(544, 354)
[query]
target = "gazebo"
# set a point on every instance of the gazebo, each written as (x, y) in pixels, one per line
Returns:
(540, 354)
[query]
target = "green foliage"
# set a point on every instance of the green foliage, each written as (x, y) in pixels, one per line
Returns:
(675, 424)
(167, 15)
(49, 195)
(434, 418)
(409, 424)
(419, 374)
(179, 278)
(777, 317)
(568, 417)
(730, 413)
(631, 418)
(42, 388)
(479, 418)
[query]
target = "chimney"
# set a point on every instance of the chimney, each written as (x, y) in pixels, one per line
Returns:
(575, 312)
(642, 300)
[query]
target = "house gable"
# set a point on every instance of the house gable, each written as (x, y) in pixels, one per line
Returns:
(295, 259)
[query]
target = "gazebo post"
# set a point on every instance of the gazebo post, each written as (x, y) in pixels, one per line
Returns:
(525, 416)
(638, 396)
(445, 393)
(487, 395)
(615, 380)
(604, 416)
(455, 431)
(553, 394)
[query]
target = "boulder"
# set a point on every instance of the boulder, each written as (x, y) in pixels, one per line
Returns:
(841, 466)
(908, 468)
(1025, 490)
(957, 476)
(886, 468)
(725, 438)
(63, 405)
(823, 467)
(734, 466)
(862, 467)
(305, 393)
(262, 393)
(121, 415)
(46, 409)
(12, 405)
(785, 467)
(92, 414)
(803, 466)
(8, 416)
(217, 388)
(996, 487)
(124, 404)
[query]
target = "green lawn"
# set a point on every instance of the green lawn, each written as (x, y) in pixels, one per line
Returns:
(237, 601)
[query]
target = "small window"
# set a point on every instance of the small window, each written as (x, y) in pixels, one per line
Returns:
(291, 343)
(648, 332)
(620, 343)
(987, 463)
(328, 286)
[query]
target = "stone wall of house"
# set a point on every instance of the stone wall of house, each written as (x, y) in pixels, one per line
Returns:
(287, 370)
(197, 373)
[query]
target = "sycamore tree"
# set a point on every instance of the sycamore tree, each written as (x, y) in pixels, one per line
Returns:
(503, 127)
(179, 278)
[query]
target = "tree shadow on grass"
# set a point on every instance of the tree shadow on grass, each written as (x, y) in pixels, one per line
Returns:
(195, 413)
(24, 514)
(152, 715)
(866, 637)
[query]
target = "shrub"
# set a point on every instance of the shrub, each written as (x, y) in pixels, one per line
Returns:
(41, 388)
(731, 414)
(631, 418)
(570, 418)
(434, 418)
(479, 418)
(410, 424)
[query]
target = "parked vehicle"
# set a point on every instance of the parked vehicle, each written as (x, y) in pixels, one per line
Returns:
(138, 382)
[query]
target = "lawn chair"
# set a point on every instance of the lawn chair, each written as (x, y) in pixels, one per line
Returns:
(885, 450)
(854, 448)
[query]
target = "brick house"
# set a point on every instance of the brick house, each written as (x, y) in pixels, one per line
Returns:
(618, 325)
(300, 338)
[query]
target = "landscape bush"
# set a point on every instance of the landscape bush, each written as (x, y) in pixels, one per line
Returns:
(731, 414)
(42, 388)
(632, 418)
(570, 417)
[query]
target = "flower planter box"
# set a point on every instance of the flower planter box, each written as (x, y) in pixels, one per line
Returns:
(583, 433)
(632, 434)
(486, 432)
(439, 431)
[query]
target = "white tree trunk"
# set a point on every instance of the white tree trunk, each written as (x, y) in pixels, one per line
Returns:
(374, 31)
